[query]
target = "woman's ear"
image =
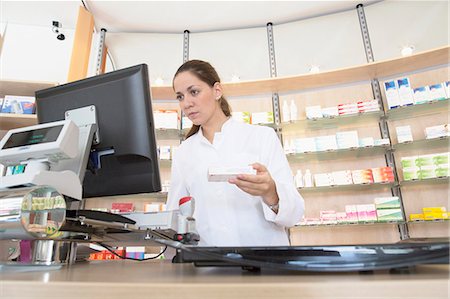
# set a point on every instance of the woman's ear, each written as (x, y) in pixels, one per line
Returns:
(218, 92)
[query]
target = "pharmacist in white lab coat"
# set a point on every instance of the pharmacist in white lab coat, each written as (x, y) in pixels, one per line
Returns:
(251, 209)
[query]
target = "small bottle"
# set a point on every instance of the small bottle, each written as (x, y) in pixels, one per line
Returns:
(307, 178)
(286, 113)
(294, 112)
(299, 179)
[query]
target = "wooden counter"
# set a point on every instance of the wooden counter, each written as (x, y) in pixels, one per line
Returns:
(161, 279)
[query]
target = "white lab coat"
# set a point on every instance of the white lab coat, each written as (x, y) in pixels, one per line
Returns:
(226, 215)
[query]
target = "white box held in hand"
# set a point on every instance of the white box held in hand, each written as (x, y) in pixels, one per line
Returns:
(224, 173)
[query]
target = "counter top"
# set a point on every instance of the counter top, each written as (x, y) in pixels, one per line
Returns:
(162, 279)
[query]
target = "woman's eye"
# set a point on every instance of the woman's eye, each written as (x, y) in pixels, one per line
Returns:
(179, 97)
(194, 92)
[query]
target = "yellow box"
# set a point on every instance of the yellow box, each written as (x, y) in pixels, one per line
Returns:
(434, 210)
(416, 217)
(435, 215)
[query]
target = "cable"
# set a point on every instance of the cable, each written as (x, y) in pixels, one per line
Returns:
(130, 258)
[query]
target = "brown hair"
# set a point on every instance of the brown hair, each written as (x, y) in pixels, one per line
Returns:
(206, 73)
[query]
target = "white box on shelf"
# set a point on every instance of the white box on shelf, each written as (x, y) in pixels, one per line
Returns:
(447, 88)
(262, 118)
(437, 131)
(313, 112)
(343, 177)
(422, 95)
(347, 139)
(437, 92)
(186, 122)
(404, 134)
(305, 145)
(383, 141)
(352, 213)
(366, 142)
(164, 152)
(323, 180)
(392, 97)
(330, 112)
(242, 116)
(165, 119)
(405, 92)
(326, 143)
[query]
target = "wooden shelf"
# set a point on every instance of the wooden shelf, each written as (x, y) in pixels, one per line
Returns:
(22, 88)
(11, 121)
(390, 67)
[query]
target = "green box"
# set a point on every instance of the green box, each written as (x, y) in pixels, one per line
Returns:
(411, 173)
(408, 161)
(387, 202)
(386, 215)
(427, 172)
(425, 160)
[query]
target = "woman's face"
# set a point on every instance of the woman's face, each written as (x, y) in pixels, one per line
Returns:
(197, 99)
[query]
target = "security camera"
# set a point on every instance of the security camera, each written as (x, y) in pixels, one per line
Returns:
(55, 26)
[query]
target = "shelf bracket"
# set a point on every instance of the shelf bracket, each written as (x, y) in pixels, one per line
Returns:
(101, 56)
(273, 74)
(383, 124)
(186, 46)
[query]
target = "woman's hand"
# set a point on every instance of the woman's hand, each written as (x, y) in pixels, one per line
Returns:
(260, 184)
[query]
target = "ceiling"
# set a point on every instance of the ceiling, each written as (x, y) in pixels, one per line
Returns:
(170, 16)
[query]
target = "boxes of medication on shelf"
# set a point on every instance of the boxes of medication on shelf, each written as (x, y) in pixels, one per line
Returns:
(422, 95)
(362, 176)
(405, 92)
(411, 173)
(326, 143)
(368, 106)
(323, 180)
(447, 88)
(387, 215)
(437, 92)
(305, 145)
(366, 142)
(330, 112)
(165, 119)
(437, 131)
(392, 96)
(404, 134)
(341, 178)
(313, 112)
(18, 105)
(383, 175)
(186, 122)
(392, 202)
(262, 118)
(242, 116)
(347, 139)
(346, 109)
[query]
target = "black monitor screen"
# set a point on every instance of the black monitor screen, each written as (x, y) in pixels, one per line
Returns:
(125, 121)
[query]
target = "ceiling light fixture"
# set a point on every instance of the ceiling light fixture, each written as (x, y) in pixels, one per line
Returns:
(314, 69)
(235, 78)
(159, 81)
(407, 50)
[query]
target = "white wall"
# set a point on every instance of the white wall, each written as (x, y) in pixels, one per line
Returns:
(34, 53)
(333, 41)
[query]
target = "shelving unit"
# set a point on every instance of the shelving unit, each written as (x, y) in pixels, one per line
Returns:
(346, 85)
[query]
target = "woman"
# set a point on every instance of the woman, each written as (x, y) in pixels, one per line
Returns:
(251, 209)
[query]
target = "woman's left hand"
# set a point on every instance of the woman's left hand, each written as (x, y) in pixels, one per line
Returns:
(260, 184)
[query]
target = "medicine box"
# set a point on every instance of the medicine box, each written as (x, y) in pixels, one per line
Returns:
(242, 116)
(392, 97)
(305, 145)
(224, 173)
(387, 202)
(437, 131)
(18, 105)
(387, 215)
(404, 134)
(405, 92)
(437, 92)
(422, 95)
(313, 112)
(416, 217)
(262, 118)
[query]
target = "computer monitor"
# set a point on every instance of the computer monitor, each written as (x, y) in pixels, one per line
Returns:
(125, 123)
